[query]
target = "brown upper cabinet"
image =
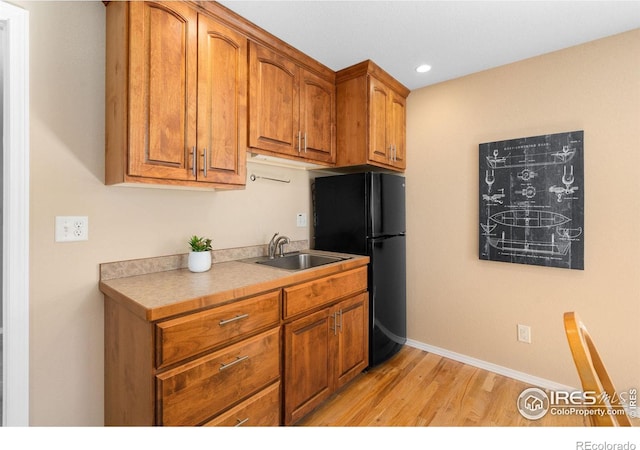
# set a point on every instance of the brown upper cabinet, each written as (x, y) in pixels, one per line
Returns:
(371, 118)
(192, 86)
(176, 97)
(291, 109)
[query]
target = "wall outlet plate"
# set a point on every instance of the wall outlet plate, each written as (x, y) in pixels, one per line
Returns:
(301, 220)
(524, 334)
(72, 228)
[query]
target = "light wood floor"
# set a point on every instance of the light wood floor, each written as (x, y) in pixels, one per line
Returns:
(416, 388)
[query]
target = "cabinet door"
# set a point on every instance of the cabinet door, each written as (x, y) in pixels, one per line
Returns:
(162, 89)
(398, 130)
(352, 334)
(308, 368)
(222, 103)
(378, 121)
(317, 118)
(273, 102)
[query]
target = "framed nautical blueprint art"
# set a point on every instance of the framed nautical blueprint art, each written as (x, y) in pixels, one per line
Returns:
(532, 200)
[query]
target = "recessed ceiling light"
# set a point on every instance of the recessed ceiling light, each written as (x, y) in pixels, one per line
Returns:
(423, 68)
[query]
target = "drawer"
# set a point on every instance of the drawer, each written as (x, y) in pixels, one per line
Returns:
(307, 296)
(260, 410)
(195, 391)
(180, 338)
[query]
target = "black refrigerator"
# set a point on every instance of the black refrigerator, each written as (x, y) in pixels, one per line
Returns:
(364, 214)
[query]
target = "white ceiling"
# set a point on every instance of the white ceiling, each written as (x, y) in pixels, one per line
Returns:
(455, 37)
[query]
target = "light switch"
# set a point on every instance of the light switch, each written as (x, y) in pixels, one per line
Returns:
(301, 220)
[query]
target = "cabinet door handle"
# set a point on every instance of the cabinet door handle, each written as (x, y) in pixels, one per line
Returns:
(334, 328)
(339, 324)
(233, 319)
(239, 359)
(193, 161)
(204, 161)
(241, 422)
(305, 142)
(299, 138)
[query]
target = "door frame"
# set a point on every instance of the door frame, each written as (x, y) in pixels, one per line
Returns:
(15, 210)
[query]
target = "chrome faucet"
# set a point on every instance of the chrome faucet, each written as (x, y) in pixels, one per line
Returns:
(272, 246)
(282, 240)
(275, 244)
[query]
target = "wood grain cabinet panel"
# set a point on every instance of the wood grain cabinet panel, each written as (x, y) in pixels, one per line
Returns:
(397, 130)
(387, 117)
(129, 389)
(351, 354)
(291, 110)
(308, 366)
(196, 391)
(378, 122)
(371, 118)
(317, 118)
(323, 351)
(305, 297)
(187, 369)
(186, 336)
(162, 89)
(222, 103)
(176, 97)
(260, 410)
(274, 102)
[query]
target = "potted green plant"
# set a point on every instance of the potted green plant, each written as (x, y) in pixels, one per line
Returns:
(200, 254)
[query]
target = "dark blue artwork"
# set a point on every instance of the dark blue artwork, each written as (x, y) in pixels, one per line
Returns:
(532, 200)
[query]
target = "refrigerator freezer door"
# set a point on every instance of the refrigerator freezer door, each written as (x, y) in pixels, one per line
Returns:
(387, 200)
(341, 213)
(387, 296)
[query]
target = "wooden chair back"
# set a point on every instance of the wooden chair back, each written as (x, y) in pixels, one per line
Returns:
(593, 375)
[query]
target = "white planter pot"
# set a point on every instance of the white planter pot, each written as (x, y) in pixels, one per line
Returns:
(199, 261)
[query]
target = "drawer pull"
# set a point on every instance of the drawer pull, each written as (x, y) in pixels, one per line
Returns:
(233, 319)
(233, 363)
(241, 422)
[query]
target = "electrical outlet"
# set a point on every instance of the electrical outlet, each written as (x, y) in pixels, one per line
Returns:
(301, 220)
(524, 334)
(72, 228)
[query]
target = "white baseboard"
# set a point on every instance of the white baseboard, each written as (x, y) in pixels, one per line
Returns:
(500, 370)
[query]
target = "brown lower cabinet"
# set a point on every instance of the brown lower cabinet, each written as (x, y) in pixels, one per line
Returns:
(189, 369)
(261, 410)
(264, 359)
(193, 392)
(323, 351)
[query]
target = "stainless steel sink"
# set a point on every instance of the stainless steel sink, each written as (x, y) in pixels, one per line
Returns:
(298, 261)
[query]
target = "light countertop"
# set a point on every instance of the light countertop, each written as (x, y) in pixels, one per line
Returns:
(159, 295)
